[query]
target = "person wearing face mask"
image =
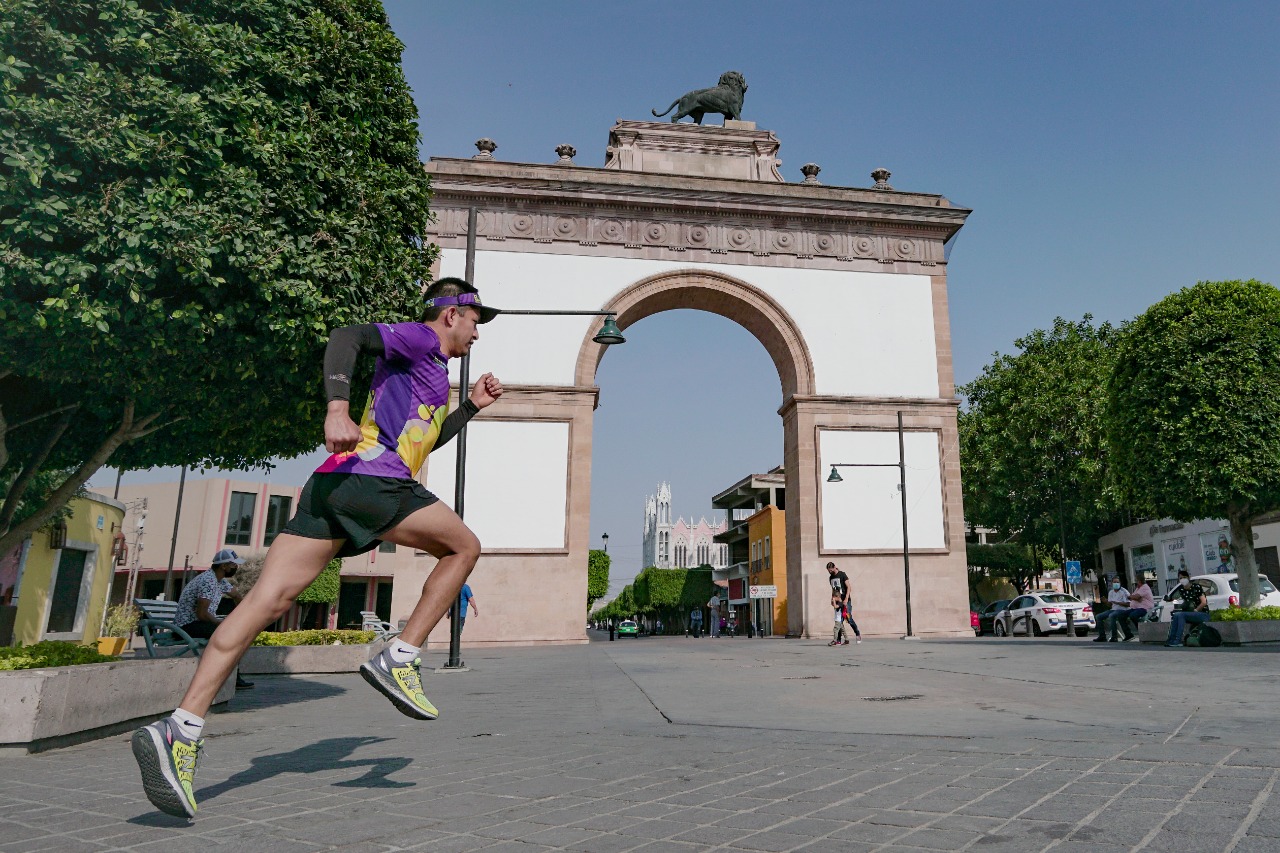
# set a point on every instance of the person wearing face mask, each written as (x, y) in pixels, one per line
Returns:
(1109, 621)
(1195, 607)
(198, 604)
(1140, 604)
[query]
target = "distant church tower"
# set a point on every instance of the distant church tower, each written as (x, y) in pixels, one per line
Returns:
(681, 544)
(657, 529)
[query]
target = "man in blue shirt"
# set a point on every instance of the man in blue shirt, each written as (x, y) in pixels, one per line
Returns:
(465, 598)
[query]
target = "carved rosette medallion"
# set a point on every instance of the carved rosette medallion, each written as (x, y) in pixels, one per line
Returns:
(566, 228)
(864, 246)
(521, 225)
(655, 233)
(740, 239)
(613, 231)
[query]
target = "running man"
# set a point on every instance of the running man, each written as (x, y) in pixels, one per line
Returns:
(363, 494)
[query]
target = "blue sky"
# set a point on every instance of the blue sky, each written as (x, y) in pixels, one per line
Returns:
(1111, 152)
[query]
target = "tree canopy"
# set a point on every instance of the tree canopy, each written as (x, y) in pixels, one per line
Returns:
(1193, 410)
(191, 196)
(597, 576)
(326, 587)
(1033, 458)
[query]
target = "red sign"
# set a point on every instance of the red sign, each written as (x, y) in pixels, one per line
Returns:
(737, 588)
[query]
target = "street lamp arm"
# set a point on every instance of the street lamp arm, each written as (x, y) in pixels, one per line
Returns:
(866, 465)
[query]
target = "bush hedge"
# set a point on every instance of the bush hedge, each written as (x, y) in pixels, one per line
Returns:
(1245, 614)
(50, 653)
(318, 637)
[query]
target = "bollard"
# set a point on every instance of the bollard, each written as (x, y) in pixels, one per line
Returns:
(1071, 622)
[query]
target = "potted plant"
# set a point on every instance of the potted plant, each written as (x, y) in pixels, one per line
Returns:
(121, 622)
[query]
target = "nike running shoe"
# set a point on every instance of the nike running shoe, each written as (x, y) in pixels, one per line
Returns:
(401, 683)
(167, 759)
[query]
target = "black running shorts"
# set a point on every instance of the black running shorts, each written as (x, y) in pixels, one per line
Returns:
(357, 508)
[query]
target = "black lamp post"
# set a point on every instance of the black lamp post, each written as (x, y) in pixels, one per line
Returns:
(901, 465)
(605, 537)
(609, 334)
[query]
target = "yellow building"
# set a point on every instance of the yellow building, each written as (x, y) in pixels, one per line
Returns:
(59, 579)
(756, 537)
(767, 544)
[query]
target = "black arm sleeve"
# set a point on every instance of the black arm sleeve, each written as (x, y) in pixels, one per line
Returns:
(456, 421)
(345, 345)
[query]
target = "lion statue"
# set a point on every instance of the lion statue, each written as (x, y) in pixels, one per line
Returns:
(725, 98)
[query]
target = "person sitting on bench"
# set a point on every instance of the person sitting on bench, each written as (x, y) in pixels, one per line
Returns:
(198, 604)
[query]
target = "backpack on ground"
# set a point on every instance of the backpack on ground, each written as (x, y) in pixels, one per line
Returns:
(1203, 636)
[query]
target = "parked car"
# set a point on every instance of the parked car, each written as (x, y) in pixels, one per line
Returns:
(1048, 612)
(1222, 591)
(628, 628)
(988, 614)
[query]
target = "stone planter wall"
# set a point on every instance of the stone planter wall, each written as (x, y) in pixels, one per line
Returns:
(1233, 633)
(48, 708)
(1243, 633)
(296, 660)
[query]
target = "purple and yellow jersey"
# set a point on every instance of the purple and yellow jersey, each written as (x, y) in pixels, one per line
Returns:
(408, 401)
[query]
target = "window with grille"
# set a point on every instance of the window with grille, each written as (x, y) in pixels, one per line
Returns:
(278, 507)
(240, 518)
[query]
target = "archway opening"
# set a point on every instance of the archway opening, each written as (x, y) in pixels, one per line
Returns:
(691, 403)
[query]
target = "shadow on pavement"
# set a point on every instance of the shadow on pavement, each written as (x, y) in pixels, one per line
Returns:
(323, 755)
(271, 691)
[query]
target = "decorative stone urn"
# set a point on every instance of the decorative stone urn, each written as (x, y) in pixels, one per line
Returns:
(810, 172)
(567, 153)
(487, 146)
(881, 177)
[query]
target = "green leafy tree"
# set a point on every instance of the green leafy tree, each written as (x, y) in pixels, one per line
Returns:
(1034, 461)
(191, 196)
(672, 593)
(1193, 414)
(1012, 561)
(323, 590)
(597, 576)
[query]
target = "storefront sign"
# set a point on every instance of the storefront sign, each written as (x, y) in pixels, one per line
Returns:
(1216, 548)
(1175, 556)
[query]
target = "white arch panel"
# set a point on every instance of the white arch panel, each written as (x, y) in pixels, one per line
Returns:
(869, 334)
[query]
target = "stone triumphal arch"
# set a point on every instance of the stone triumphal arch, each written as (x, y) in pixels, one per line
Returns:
(844, 287)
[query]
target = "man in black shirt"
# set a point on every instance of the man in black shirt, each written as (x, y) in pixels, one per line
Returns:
(839, 583)
(1195, 607)
(840, 587)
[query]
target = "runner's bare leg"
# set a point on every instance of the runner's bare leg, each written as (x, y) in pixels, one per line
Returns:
(437, 530)
(293, 562)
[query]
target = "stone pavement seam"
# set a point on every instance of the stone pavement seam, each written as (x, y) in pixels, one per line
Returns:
(1146, 839)
(1089, 818)
(1037, 803)
(1254, 810)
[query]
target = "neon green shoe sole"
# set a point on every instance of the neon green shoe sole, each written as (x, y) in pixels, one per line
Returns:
(164, 761)
(401, 683)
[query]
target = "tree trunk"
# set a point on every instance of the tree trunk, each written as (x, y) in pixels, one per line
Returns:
(128, 430)
(1246, 564)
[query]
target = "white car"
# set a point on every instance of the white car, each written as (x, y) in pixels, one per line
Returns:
(1048, 611)
(1223, 591)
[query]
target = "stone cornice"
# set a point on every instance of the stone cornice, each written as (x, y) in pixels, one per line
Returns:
(875, 405)
(599, 211)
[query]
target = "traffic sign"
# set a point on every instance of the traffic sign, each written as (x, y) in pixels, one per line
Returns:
(1073, 571)
(763, 591)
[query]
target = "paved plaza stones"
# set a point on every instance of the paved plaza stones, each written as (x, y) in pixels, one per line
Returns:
(727, 745)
